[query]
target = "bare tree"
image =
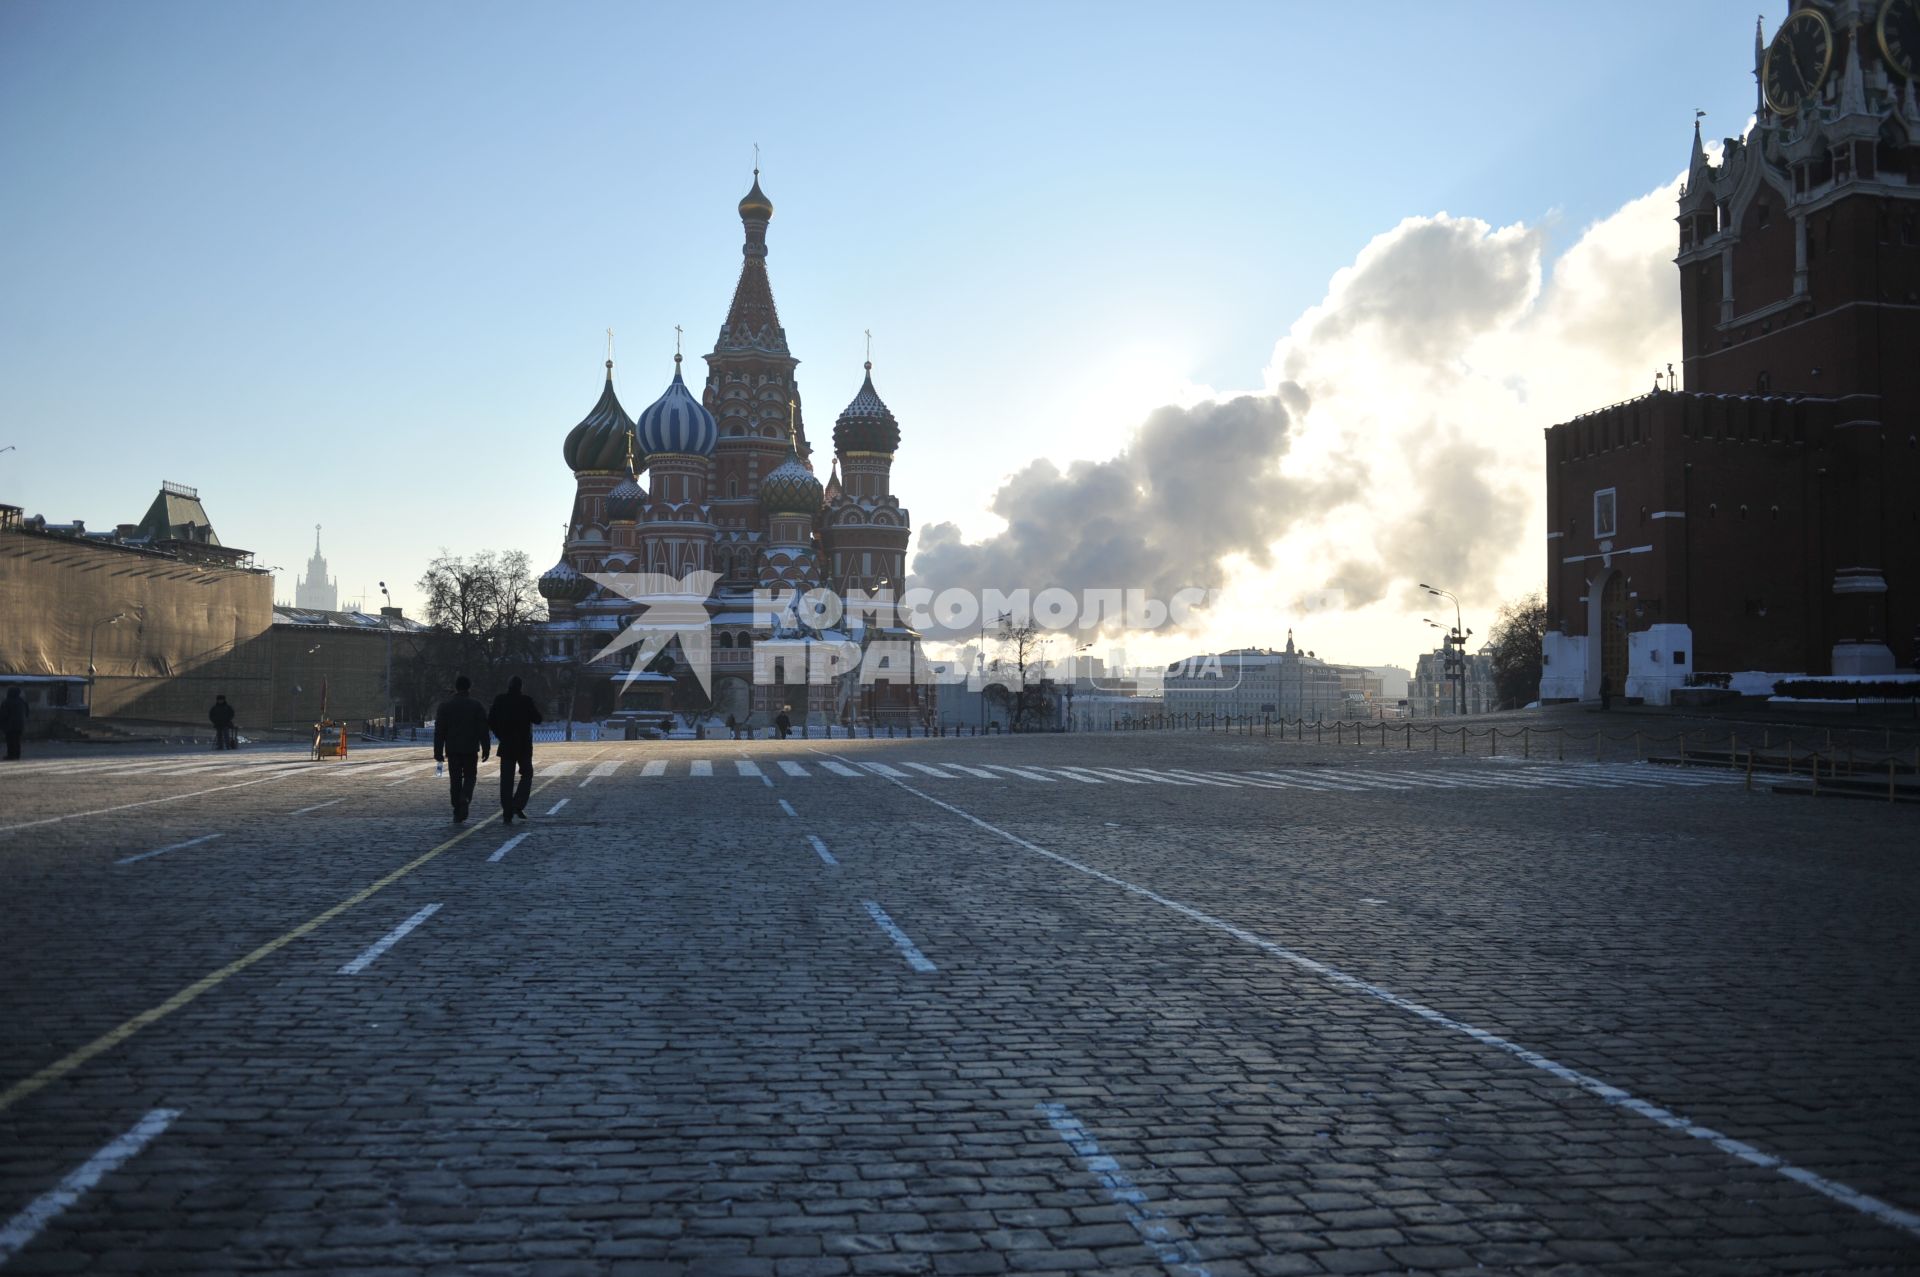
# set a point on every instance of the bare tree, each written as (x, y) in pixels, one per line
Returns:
(1022, 650)
(481, 611)
(1514, 649)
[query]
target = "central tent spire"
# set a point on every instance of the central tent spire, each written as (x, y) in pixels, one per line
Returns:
(753, 323)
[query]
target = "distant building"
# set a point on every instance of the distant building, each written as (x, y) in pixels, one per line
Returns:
(1434, 693)
(317, 592)
(1260, 682)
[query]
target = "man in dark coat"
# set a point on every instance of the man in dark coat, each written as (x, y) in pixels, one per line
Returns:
(460, 740)
(221, 716)
(783, 724)
(512, 718)
(13, 720)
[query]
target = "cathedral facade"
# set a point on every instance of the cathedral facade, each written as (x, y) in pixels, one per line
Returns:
(1764, 520)
(724, 482)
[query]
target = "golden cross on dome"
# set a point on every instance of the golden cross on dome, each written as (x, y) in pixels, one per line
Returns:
(756, 159)
(869, 346)
(676, 340)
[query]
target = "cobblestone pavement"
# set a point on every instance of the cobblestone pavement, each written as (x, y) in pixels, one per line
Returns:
(1154, 1004)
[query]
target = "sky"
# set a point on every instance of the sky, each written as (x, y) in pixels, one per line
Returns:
(1271, 299)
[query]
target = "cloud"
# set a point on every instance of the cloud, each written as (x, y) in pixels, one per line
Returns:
(1398, 439)
(1193, 488)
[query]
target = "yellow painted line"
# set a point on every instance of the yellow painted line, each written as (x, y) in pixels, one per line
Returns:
(114, 1037)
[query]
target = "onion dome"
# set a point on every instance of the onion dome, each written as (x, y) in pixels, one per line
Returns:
(561, 584)
(867, 425)
(754, 205)
(601, 440)
(790, 488)
(677, 422)
(623, 503)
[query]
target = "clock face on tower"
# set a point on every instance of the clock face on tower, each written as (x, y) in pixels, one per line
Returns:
(1797, 61)
(1899, 32)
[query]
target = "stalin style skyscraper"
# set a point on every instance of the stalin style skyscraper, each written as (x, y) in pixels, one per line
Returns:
(730, 488)
(1763, 520)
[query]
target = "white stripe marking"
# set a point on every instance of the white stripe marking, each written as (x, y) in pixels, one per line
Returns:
(1198, 779)
(788, 808)
(1124, 780)
(840, 769)
(1139, 776)
(387, 941)
(47, 1207)
(147, 802)
(317, 806)
(1021, 772)
(881, 769)
(654, 767)
(506, 847)
(557, 806)
(1885, 1212)
(161, 851)
(747, 768)
(792, 768)
(822, 849)
(607, 768)
(1177, 1253)
(701, 767)
(915, 959)
(971, 771)
(558, 770)
(1068, 772)
(931, 771)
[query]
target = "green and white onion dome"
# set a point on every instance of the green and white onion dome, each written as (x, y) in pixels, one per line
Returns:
(790, 488)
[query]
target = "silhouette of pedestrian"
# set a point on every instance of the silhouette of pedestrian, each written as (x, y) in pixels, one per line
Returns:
(13, 721)
(512, 718)
(221, 716)
(733, 725)
(783, 724)
(1606, 691)
(460, 740)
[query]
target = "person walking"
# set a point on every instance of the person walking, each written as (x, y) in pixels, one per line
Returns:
(13, 721)
(1606, 692)
(460, 740)
(512, 718)
(783, 724)
(221, 716)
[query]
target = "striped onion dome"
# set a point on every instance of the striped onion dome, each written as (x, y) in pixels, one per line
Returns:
(599, 442)
(867, 424)
(790, 488)
(561, 584)
(677, 422)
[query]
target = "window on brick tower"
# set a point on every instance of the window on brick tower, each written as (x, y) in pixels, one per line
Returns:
(1603, 505)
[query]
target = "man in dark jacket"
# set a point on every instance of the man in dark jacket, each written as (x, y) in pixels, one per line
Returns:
(460, 740)
(13, 720)
(512, 718)
(221, 716)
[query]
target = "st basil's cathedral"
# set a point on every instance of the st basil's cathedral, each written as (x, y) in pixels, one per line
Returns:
(724, 482)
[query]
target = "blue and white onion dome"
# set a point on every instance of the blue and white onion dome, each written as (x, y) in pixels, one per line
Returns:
(561, 584)
(866, 424)
(677, 422)
(790, 488)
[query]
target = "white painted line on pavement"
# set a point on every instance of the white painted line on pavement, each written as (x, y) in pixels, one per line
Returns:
(753, 769)
(558, 770)
(792, 768)
(387, 941)
(971, 771)
(1139, 774)
(161, 851)
(607, 768)
(654, 767)
(841, 769)
(1124, 780)
(412, 775)
(788, 808)
(822, 849)
(47, 1207)
(1021, 772)
(557, 806)
(317, 806)
(1176, 1253)
(506, 847)
(931, 771)
(915, 959)
(1873, 1207)
(147, 802)
(1068, 772)
(700, 767)
(881, 769)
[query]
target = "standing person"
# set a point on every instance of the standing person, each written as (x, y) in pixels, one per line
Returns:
(460, 740)
(221, 716)
(783, 724)
(1606, 691)
(512, 718)
(13, 721)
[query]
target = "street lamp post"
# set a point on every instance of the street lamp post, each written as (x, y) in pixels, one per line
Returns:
(386, 617)
(93, 638)
(1459, 640)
